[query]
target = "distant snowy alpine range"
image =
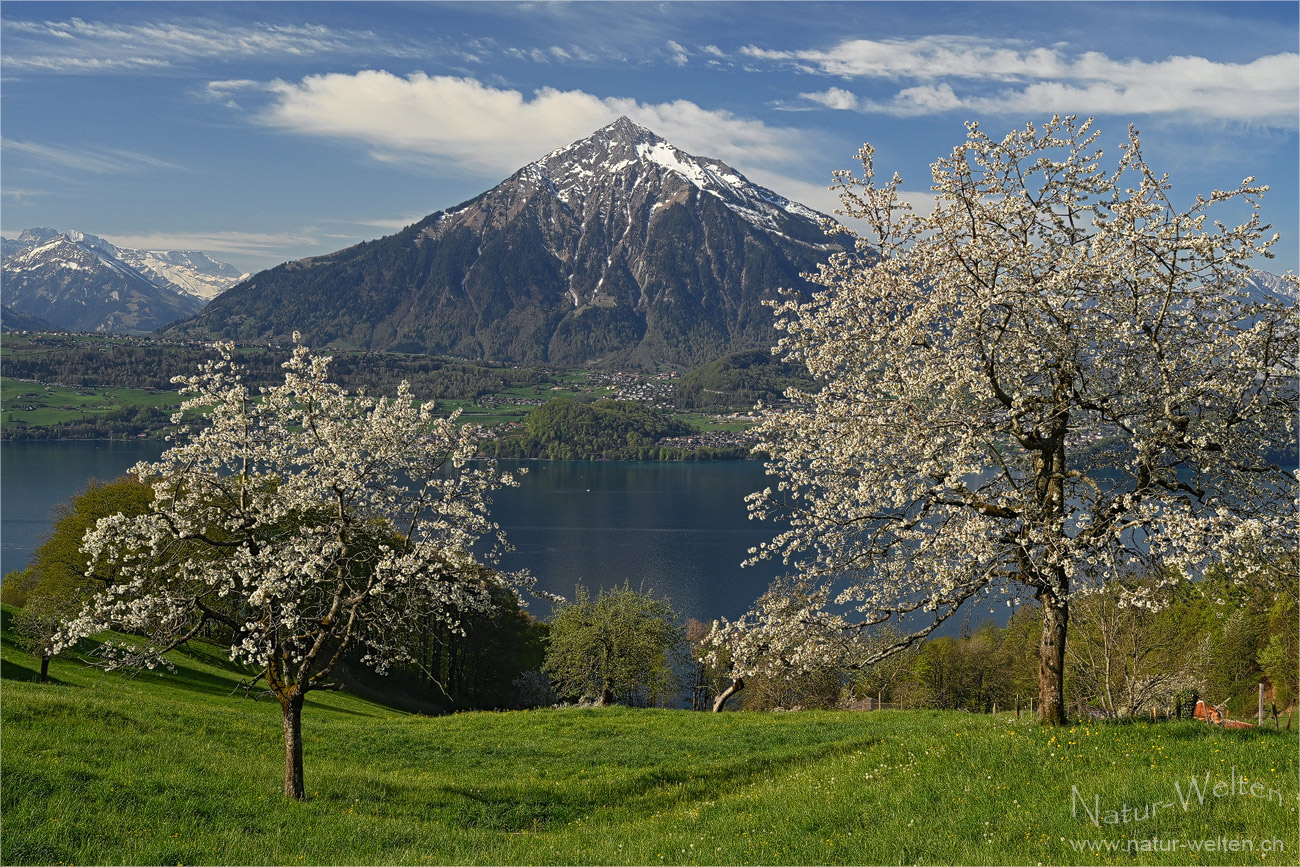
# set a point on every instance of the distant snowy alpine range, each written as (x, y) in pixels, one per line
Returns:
(75, 281)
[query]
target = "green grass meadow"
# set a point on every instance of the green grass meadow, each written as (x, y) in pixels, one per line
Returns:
(173, 769)
(36, 404)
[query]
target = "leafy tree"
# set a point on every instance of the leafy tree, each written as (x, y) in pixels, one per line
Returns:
(58, 582)
(1053, 380)
(1280, 656)
(59, 565)
(1122, 658)
(622, 646)
(474, 658)
(779, 689)
(311, 523)
(37, 626)
(878, 679)
(10, 592)
(1233, 666)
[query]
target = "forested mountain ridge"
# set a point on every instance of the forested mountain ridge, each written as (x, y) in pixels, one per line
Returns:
(619, 247)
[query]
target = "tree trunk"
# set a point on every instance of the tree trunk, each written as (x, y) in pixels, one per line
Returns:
(292, 708)
(736, 686)
(45, 668)
(1051, 661)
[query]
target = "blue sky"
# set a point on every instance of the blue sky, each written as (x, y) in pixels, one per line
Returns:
(262, 132)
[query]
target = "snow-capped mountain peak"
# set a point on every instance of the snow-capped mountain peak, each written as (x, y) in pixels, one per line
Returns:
(618, 245)
(624, 154)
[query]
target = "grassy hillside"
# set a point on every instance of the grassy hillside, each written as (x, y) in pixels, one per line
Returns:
(174, 769)
(739, 380)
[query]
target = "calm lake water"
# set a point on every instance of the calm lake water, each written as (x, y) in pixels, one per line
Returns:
(677, 529)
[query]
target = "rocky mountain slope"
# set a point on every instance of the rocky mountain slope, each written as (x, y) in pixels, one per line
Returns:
(12, 320)
(617, 247)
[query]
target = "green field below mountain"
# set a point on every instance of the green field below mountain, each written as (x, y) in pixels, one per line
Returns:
(81, 386)
(182, 768)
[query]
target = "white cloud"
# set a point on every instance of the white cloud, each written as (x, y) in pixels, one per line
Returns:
(1276, 105)
(677, 53)
(957, 72)
(834, 97)
(561, 53)
(923, 99)
(493, 130)
(72, 64)
(579, 53)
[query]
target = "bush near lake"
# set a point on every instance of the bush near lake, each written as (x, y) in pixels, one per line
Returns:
(174, 768)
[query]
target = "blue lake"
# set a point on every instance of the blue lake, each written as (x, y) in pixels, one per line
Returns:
(677, 529)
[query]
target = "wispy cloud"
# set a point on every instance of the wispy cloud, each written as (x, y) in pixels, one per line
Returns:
(20, 196)
(951, 73)
(104, 161)
(77, 45)
(555, 54)
(925, 57)
(388, 224)
(492, 130)
(255, 245)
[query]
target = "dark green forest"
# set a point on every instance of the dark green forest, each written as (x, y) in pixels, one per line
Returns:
(79, 362)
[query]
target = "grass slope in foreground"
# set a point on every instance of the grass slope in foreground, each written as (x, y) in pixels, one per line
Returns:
(163, 770)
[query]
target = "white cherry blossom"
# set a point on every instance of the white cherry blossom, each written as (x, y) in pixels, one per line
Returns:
(310, 522)
(1054, 379)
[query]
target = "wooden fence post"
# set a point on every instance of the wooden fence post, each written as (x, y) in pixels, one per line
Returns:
(1261, 704)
